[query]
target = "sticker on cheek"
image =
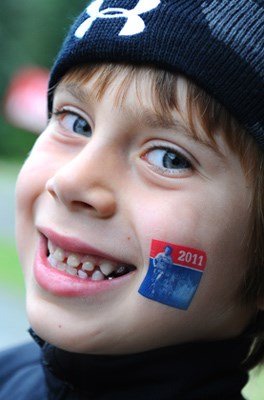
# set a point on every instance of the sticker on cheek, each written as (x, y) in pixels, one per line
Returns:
(174, 274)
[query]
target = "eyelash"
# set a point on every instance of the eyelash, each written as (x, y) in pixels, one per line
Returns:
(164, 170)
(64, 111)
(71, 113)
(180, 162)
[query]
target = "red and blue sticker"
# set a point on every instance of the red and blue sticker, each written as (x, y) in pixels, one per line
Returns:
(174, 274)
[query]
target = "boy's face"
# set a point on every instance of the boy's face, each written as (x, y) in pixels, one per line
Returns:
(105, 179)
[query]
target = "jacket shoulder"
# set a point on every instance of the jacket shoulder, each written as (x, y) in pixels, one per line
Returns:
(21, 373)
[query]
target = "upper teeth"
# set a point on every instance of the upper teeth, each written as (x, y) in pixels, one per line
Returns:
(85, 267)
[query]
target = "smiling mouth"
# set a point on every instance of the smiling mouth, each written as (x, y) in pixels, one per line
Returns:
(85, 267)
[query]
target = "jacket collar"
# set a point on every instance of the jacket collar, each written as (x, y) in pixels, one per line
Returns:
(204, 370)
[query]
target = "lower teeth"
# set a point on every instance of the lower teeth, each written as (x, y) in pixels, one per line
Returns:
(86, 272)
(82, 274)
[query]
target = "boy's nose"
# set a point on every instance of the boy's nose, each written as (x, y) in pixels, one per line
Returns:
(82, 185)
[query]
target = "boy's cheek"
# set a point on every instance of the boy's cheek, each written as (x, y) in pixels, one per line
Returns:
(30, 183)
(174, 274)
(175, 220)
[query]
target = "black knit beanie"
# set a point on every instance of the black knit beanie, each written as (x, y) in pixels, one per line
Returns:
(218, 44)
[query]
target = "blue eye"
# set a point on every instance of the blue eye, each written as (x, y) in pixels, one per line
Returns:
(167, 159)
(73, 122)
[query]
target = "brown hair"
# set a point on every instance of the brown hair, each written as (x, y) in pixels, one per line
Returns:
(211, 117)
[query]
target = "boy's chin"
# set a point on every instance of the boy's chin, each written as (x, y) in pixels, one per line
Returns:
(74, 342)
(73, 333)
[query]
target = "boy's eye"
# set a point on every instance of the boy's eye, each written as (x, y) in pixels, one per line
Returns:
(167, 160)
(71, 121)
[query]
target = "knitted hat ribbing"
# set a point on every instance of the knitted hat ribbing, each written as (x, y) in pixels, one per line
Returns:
(219, 44)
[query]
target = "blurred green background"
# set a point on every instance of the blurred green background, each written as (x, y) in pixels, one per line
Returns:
(30, 35)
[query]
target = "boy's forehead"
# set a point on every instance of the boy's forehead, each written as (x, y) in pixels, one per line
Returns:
(133, 90)
(135, 104)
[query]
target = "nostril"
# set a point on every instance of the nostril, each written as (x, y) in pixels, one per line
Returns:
(101, 201)
(50, 187)
(81, 204)
(52, 193)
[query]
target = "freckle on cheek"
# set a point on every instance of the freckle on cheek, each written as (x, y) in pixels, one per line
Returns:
(174, 274)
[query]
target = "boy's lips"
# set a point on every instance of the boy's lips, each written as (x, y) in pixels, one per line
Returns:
(68, 267)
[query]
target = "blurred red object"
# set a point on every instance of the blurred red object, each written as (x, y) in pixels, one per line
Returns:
(25, 104)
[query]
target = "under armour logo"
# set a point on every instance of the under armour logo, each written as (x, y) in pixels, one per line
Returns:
(134, 24)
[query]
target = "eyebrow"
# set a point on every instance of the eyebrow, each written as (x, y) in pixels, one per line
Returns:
(75, 90)
(150, 118)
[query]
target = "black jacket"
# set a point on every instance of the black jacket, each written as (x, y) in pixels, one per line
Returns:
(197, 371)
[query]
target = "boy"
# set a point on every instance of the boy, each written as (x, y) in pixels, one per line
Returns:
(155, 140)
